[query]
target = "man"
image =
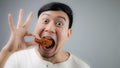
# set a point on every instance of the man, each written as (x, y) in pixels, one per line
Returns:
(54, 22)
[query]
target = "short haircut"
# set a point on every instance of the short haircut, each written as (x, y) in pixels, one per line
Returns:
(56, 6)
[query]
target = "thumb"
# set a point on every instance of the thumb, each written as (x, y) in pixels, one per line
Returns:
(31, 43)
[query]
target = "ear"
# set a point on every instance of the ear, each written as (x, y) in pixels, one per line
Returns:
(69, 33)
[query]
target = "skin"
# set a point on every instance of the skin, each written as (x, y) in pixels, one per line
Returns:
(16, 41)
(54, 24)
(50, 23)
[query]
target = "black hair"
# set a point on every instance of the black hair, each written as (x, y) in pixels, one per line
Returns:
(56, 6)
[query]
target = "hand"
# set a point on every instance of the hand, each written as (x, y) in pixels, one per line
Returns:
(18, 33)
(16, 41)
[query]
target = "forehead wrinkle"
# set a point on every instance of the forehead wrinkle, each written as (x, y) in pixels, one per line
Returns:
(57, 16)
(46, 14)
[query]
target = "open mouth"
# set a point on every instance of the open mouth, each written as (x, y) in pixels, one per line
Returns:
(46, 42)
(52, 45)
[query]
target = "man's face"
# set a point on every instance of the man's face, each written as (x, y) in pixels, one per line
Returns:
(53, 24)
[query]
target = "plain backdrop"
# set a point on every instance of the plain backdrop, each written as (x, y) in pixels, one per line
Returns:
(96, 28)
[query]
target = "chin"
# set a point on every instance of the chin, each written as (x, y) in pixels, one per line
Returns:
(47, 55)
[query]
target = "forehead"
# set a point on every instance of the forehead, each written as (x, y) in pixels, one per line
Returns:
(55, 14)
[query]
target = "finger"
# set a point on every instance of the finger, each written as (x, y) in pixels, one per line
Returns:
(36, 36)
(29, 33)
(10, 21)
(27, 23)
(33, 34)
(20, 18)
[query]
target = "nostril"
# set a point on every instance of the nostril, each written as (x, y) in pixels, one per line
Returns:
(49, 30)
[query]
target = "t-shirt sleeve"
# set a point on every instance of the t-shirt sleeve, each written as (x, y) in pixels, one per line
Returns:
(11, 62)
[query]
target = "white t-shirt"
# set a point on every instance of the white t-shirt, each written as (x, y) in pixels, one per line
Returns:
(29, 59)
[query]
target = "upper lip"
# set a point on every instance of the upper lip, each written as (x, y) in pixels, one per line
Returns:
(48, 37)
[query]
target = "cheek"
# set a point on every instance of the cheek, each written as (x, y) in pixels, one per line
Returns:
(62, 34)
(61, 38)
(38, 28)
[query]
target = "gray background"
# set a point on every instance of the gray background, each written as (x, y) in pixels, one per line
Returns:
(96, 29)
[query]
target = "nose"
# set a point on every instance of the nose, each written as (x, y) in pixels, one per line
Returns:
(50, 28)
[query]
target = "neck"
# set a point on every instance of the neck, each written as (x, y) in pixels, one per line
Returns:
(58, 57)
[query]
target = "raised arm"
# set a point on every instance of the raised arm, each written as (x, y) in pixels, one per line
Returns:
(16, 41)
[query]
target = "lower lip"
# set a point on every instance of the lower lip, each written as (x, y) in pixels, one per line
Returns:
(46, 50)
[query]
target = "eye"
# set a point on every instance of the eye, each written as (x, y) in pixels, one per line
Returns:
(45, 21)
(59, 23)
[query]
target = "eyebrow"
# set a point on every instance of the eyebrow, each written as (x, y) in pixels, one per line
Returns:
(62, 17)
(58, 16)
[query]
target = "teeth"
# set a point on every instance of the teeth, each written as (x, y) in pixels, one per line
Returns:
(48, 37)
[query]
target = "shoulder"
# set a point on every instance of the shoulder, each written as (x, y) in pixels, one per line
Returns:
(21, 57)
(79, 62)
(22, 53)
(25, 51)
